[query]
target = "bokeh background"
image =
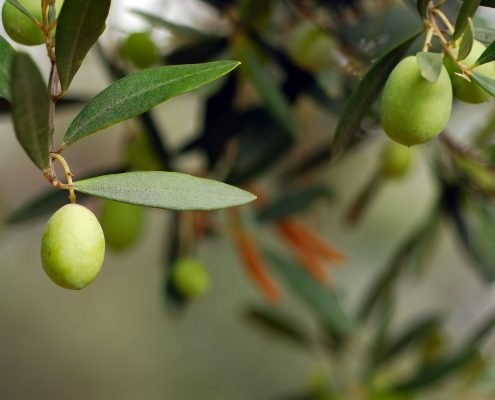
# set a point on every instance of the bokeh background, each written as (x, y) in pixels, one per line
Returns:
(115, 339)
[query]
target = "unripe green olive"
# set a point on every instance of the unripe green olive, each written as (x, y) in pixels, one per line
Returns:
(19, 27)
(140, 154)
(470, 92)
(73, 247)
(122, 223)
(140, 50)
(190, 277)
(413, 109)
(310, 47)
(395, 160)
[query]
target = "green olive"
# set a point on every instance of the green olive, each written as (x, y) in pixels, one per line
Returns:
(140, 50)
(414, 110)
(190, 277)
(466, 91)
(73, 247)
(20, 27)
(122, 223)
(395, 160)
(310, 47)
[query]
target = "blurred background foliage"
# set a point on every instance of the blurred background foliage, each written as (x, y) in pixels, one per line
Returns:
(357, 279)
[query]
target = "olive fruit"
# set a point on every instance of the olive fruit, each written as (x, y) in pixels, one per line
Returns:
(190, 277)
(310, 47)
(395, 160)
(466, 91)
(20, 27)
(413, 109)
(73, 247)
(140, 50)
(122, 223)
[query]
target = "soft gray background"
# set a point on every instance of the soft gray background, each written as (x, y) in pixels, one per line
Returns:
(114, 339)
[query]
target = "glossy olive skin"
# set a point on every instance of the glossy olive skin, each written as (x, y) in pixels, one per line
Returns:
(395, 160)
(310, 47)
(140, 50)
(470, 92)
(73, 247)
(19, 27)
(122, 224)
(413, 110)
(190, 277)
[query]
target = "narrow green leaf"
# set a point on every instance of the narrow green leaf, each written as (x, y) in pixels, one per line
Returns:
(488, 3)
(21, 8)
(30, 109)
(6, 57)
(481, 332)
(484, 82)
(422, 6)
(488, 55)
(468, 9)
(79, 25)
(412, 334)
(139, 92)
(170, 190)
(365, 94)
(435, 372)
(293, 202)
(467, 41)
(410, 250)
(322, 301)
(274, 100)
(177, 29)
(430, 65)
(278, 324)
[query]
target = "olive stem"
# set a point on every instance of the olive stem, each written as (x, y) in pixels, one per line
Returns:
(448, 51)
(444, 19)
(429, 37)
(68, 175)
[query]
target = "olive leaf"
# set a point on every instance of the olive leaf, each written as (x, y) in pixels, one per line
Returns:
(422, 6)
(139, 92)
(274, 100)
(21, 8)
(430, 65)
(436, 371)
(322, 301)
(30, 108)
(177, 29)
(468, 9)
(79, 25)
(413, 248)
(279, 324)
(488, 55)
(365, 94)
(293, 202)
(467, 41)
(6, 57)
(412, 334)
(488, 3)
(487, 84)
(169, 190)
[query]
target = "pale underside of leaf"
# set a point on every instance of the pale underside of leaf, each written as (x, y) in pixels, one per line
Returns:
(169, 190)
